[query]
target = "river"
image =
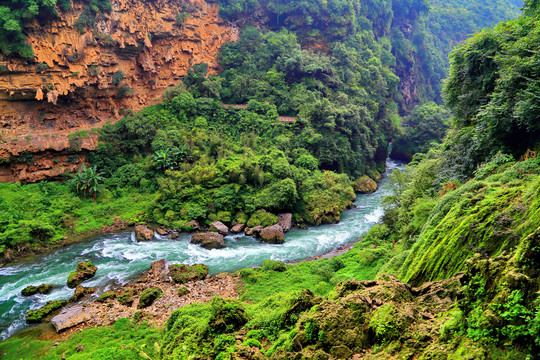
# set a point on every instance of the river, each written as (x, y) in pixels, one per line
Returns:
(120, 258)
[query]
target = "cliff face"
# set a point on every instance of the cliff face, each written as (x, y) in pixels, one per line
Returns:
(49, 108)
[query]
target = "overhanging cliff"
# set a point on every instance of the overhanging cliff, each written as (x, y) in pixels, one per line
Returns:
(81, 80)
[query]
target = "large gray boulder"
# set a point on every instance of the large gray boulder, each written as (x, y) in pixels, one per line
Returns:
(70, 317)
(208, 240)
(218, 226)
(285, 221)
(272, 235)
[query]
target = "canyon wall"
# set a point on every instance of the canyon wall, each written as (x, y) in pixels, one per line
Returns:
(49, 108)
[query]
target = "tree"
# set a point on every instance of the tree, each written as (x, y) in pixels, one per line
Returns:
(87, 182)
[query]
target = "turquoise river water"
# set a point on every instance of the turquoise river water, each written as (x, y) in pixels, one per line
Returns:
(120, 258)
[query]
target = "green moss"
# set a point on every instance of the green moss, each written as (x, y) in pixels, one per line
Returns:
(148, 297)
(106, 296)
(37, 316)
(262, 218)
(181, 273)
(388, 322)
(182, 290)
(40, 289)
(126, 297)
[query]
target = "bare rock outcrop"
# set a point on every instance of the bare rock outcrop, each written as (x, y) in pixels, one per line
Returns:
(272, 235)
(143, 233)
(219, 227)
(208, 240)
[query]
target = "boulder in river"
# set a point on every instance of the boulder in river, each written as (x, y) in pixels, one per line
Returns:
(41, 314)
(285, 221)
(81, 291)
(193, 225)
(273, 235)
(143, 233)
(208, 240)
(256, 231)
(181, 273)
(85, 270)
(70, 317)
(238, 228)
(219, 227)
(40, 289)
(162, 231)
(365, 185)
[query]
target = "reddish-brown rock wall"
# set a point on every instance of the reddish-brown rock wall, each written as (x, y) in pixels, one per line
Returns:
(41, 107)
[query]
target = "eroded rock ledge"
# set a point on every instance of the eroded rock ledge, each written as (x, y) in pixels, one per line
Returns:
(49, 107)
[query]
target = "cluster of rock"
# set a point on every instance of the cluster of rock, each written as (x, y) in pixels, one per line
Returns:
(84, 271)
(214, 237)
(153, 296)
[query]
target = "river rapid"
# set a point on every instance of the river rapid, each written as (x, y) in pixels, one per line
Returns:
(120, 258)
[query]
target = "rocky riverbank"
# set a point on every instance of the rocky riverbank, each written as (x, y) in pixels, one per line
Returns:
(124, 301)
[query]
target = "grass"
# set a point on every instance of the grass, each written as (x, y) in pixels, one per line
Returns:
(43, 214)
(123, 340)
(362, 262)
(486, 216)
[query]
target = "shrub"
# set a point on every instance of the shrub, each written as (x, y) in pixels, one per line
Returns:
(273, 265)
(124, 91)
(118, 77)
(263, 218)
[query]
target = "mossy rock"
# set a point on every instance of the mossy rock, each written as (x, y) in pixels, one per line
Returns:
(305, 301)
(390, 321)
(182, 290)
(106, 296)
(181, 273)
(40, 315)
(365, 185)
(227, 316)
(262, 218)
(126, 297)
(85, 270)
(148, 297)
(341, 352)
(40, 289)
(81, 291)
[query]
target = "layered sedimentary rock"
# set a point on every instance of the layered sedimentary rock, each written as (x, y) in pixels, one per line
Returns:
(49, 108)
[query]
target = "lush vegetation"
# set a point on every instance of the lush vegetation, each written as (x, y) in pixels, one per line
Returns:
(466, 210)
(425, 126)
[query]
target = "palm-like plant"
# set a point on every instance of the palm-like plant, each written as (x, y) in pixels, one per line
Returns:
(87, 181)
(170, 159)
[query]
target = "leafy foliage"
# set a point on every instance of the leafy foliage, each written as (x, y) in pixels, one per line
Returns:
(87, 181)
(493, 86)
